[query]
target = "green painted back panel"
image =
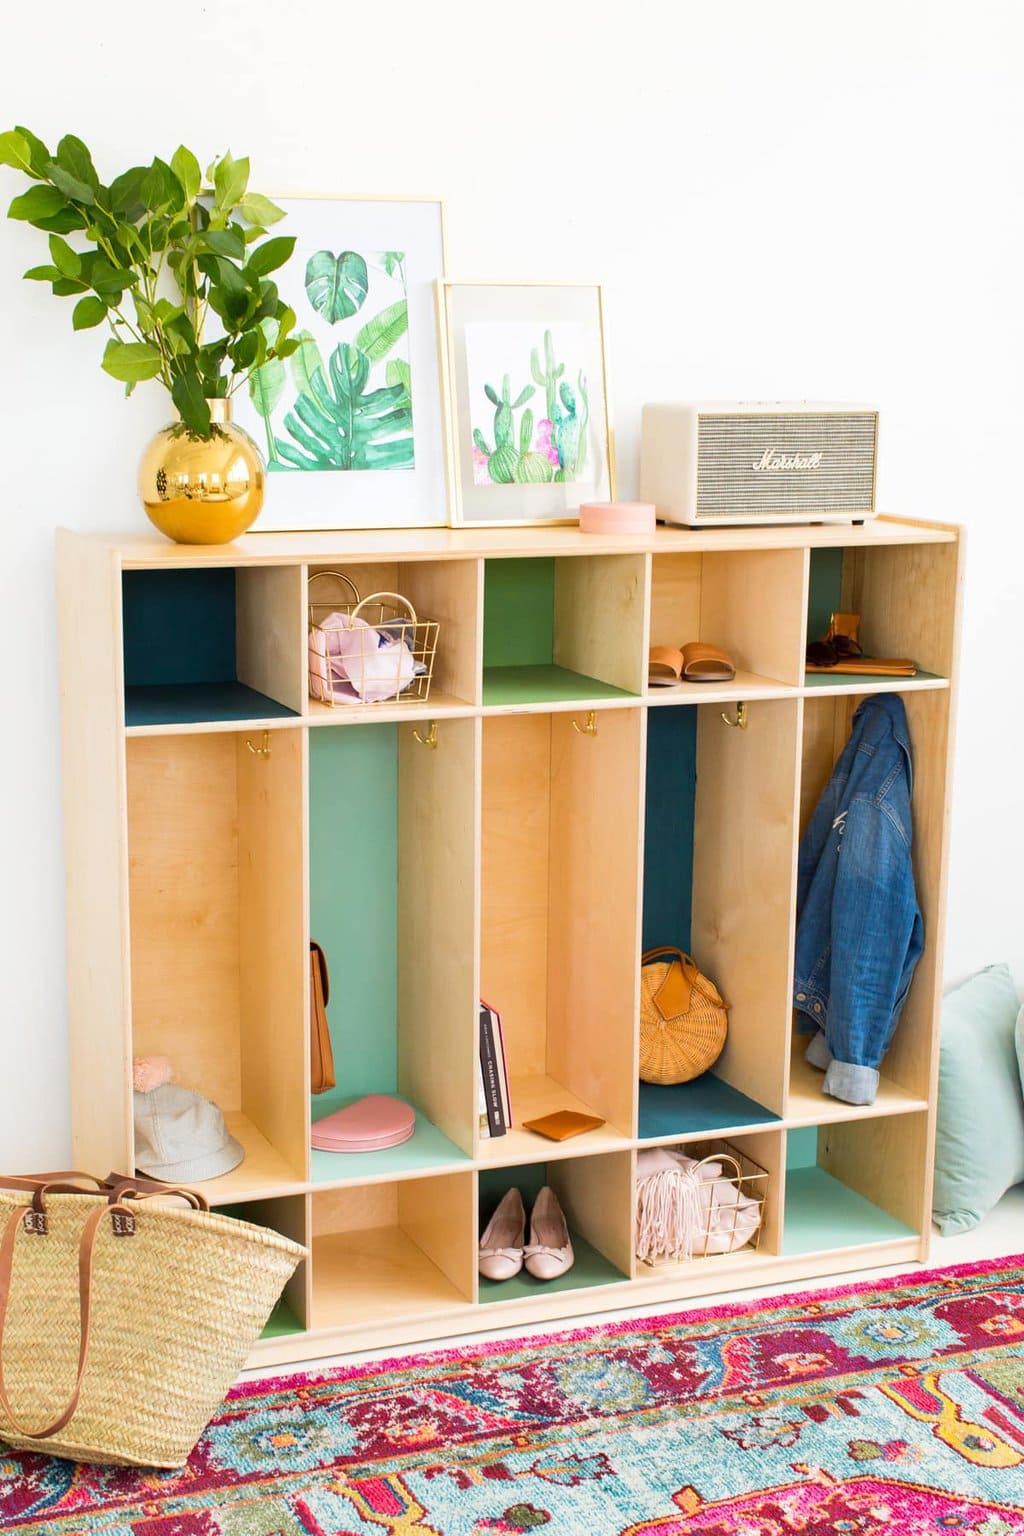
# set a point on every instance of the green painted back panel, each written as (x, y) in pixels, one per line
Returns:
(668, 839)
(519, 612)
(178, 626)
(822, 1212)
(353, 899)
(545, 685)
(802, 1147)
(826, 590)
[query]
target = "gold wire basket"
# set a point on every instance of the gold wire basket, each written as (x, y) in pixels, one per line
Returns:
(370, 650)
(731, 1218)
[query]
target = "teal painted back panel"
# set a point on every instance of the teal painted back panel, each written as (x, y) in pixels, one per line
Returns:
(519, 612)
(353, 899)
(178, 626)
(802, 1147)
(528, 1178)
(668, 838)
(826, 590)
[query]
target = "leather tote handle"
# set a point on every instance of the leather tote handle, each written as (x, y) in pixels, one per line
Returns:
(86, 1251)
(127, 1189)
(675, 994)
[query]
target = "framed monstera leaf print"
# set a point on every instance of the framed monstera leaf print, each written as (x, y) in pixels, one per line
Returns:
(527, 401)
(351, 424)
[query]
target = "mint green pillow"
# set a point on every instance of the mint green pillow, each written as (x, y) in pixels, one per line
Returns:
(979, 1138)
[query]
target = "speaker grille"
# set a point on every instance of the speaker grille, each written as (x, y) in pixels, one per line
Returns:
(729, 447)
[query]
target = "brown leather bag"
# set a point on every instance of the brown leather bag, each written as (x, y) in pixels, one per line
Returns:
(321, 1056)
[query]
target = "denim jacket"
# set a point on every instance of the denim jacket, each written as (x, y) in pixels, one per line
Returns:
(859, 930)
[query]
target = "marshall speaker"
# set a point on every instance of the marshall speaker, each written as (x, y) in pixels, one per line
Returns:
(708, 465)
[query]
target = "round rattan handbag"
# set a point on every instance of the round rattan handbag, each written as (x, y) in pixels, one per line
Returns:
(683, 1020)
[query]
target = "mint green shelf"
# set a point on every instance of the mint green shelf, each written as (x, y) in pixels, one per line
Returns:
(427, 1149)
(868, 680)
(822, 1212)
(281, 1322)
(546, 684)
(590, 1268)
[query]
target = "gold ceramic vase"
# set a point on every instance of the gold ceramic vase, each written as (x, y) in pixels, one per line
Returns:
(202, 491)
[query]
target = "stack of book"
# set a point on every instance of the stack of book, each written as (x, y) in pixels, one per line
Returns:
(492, 1080)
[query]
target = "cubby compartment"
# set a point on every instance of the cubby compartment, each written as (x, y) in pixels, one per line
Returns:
(212, 645)
(853, 1183)
(753, 1164)
(290, 1217)
(594, 1193)
(559, 926)
(392, 903)
(749, 602)
(563, 630)
(393, 1249)
(906, 1071)
(444, 592)
(719, 883)
(906, 596)
(218, 956)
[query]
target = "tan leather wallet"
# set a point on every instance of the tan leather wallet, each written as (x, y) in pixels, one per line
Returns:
(562, 1124)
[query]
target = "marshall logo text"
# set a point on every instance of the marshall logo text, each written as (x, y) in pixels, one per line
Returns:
(775, 461)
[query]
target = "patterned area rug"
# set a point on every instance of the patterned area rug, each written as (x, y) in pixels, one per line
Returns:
(895, 1407)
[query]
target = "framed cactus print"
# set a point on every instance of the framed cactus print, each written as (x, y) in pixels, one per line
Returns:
(527, 402)
(351, 425)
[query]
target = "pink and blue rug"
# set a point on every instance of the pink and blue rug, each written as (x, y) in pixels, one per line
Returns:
(893, 1407)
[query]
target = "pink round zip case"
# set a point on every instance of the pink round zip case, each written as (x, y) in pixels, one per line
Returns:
(368, 1125)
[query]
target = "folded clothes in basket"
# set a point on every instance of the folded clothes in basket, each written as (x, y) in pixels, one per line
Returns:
(353, 663)
(687, 1209)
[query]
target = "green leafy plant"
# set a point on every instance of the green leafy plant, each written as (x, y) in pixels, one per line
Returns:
(503, 458)
(549, 375)
(153, 256)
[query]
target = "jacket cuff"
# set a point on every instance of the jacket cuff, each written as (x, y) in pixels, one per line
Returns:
(818, 1053)
(851, 1083)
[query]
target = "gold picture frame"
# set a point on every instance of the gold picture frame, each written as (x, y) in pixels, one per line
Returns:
(503, 482)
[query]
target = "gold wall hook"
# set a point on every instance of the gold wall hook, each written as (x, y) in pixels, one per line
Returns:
(430, 739)
(263, 750)
(741, 722)
(590, 729)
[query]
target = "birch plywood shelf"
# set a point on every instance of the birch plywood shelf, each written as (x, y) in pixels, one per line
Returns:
(520, 859)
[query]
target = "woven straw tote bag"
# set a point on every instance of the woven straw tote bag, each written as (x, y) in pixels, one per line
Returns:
(683, 1020)
(122, 1324)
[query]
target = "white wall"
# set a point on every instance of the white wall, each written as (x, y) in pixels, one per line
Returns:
(785, 200)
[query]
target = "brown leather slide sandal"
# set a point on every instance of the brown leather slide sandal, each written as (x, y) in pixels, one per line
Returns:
(695, 663)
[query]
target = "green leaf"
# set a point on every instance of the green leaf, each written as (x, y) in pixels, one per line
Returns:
(38, 152)
(341, 425)
(224, 242)
(65, 286)
(160, 189)
(186, 167)
(73, 157)
(257, 209)
(336, 285)
(63, 221)
(230, 179)
(271, 255)
(378, 336)
(43, 274)
(69, 261)
(125, 193)
(110, 282)
(305, 362)
(69, 185)
(266, 386)
(87, 313)
(15, 151)
(131, 361)
(392, 261)
(187, 394)
(37, 203)
(399, 372)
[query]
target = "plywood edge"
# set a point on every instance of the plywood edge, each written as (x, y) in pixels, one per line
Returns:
(94, 778)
